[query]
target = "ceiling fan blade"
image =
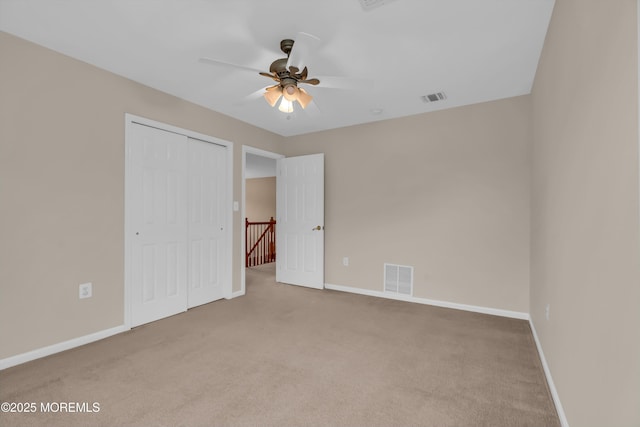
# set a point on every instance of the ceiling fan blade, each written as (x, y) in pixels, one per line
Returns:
(303, 45)
(271, 76)
(211, 61)
(272, 96)
(252, 96)
(304, 98)
(351, 83)
(310, 81)
(303, 74)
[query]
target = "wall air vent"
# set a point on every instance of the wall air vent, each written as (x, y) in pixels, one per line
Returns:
(398, 279)
(434, 97)
(368, 5)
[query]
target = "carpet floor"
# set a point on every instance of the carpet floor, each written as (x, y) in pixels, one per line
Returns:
(289, 356)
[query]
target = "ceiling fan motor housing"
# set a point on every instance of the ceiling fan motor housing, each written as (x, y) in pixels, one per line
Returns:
(279, 66)
(288, 81)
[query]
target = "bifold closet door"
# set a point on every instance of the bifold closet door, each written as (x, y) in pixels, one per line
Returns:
(158, 206)
(207, 222)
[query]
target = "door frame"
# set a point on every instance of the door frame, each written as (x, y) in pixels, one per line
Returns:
(130, 121)
(246, 149)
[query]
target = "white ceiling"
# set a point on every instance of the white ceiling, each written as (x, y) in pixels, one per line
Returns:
(472, 50)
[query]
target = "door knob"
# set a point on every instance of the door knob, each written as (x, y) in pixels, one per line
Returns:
(316, 228)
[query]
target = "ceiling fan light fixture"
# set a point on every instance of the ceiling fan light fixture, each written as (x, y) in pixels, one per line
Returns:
(290, 92)
(304, 98)
(272, 96)
(286, 106)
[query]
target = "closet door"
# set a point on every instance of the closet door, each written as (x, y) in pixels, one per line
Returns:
(158, 215)
(207, 222)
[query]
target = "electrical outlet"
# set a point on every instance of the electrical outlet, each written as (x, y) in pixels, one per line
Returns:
(547, 309)
(345, 261)
(85, 290)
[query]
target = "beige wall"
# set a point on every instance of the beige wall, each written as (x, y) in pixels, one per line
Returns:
(62, 190)
(260, 198)
(446, 192)
(585, 257)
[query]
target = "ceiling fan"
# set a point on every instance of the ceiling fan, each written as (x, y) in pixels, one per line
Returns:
(290, 72)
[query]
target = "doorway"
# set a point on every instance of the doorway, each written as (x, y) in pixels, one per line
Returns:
(300, 217)
(258, 165)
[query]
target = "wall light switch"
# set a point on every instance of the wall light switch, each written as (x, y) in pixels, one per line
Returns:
(85, 291)
(236, 206)
(345, 261)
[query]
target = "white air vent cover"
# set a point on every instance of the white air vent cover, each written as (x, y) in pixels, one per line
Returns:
(433, 97)
(372, 4)
(398, 279)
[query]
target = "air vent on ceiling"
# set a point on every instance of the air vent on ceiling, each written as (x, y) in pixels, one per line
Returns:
(434, 97)
(368, 5)
(398, 279)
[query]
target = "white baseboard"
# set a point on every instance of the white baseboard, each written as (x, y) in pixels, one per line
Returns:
(57, 348)
(547, 373)
(446, 304)
(236, 294)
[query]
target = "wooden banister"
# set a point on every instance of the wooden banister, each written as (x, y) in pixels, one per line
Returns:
(260, 242)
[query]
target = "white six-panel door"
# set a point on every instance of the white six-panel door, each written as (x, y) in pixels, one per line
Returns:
(207, 221)
(177, 222)
(300, 229)
(158, 214)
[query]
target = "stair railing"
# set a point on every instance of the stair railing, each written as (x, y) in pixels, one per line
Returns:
(260, 242)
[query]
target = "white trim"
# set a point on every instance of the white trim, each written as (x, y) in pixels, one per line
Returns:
(547, 373)
(437, 303)
(130, 119)
(243, 213)
(237, 294)
(230, 213)
(59, 347)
